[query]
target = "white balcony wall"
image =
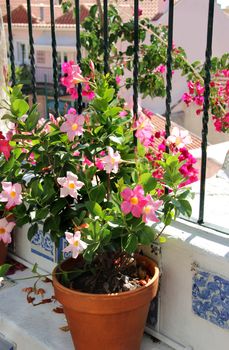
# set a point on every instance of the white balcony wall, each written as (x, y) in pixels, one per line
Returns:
(187, 248)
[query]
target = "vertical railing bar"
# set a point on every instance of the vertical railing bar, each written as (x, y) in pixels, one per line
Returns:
(54, 59)
(105, 36)
(78, 51)
(169, 70)
(136, 62)
(11, 45)
(205, 119)
(32, 59)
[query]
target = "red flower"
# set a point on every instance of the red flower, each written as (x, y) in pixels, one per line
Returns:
(5, 148)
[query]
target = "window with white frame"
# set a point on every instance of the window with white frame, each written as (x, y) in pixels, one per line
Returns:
(40, 57)
(22, 53)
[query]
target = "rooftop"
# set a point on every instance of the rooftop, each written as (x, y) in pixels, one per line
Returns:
(41, 11)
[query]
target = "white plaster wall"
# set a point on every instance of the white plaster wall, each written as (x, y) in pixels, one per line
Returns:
(190, 32)
(185, 246)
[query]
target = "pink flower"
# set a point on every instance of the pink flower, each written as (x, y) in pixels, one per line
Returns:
(11, 194)
(77, 75)
(118, 79)
(151, 206)
(76, 245)
(179, 137)
(99, 163)
(111, 161)
(134, 201)
(218, 124)
(67, 67)
(72, 77)
(144, 130)
(191, 87)
(162, 147)
(199, 100)
(73, 125)
(160, 69)
(123, 113)
(87, 161)
(199, 88)
(5, 148)
(92, 66)
(70, 185)
(72, 111)
(5, 229)
(87, 92)
(76, 154)
(187, 98)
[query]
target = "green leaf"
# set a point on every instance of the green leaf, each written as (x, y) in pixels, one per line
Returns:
(58, 206)
(147, 235)
(95, 209)
(112, 112)
(20, 107)
(51, 223)
(90, 251)
(109, 94)
(41, 213)
(185, 208)
(32, 118)
(36, 188)
(34, 269)
(22, 220)
(93, 11)
(131, 244)
(8, 165)
(97, 130)
(141, 150)
(98, 193)
(149, 183)
(32, 231)
(162, 239)
(116, 139)
(24, 137)
(100, 104)
(4, 269)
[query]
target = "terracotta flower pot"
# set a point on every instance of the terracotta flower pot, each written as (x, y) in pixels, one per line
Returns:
(101, 321)
(3, 252)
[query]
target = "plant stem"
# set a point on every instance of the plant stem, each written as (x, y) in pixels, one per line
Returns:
(108, 187)
(159, 234)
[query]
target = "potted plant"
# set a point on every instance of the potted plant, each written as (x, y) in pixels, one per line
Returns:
(103, 181)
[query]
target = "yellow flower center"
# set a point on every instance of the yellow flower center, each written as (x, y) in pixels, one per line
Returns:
(142, 125)
(112, 161)
(74, 127)
(134, 201)
(2, 230)
(178, 140)
(13, 194)
(147, 209)
(71, 185)
(76, 243)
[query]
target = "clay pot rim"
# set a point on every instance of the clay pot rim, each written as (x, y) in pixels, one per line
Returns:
(113, 295)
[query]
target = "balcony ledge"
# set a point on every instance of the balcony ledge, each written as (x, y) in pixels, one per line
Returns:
(38, 327)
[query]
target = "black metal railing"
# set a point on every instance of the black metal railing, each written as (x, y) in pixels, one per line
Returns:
(105, 26)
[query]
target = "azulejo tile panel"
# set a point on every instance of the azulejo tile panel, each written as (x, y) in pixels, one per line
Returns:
(42, 245)
(210, 298)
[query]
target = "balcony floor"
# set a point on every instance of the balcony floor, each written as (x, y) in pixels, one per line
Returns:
(37, 327)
